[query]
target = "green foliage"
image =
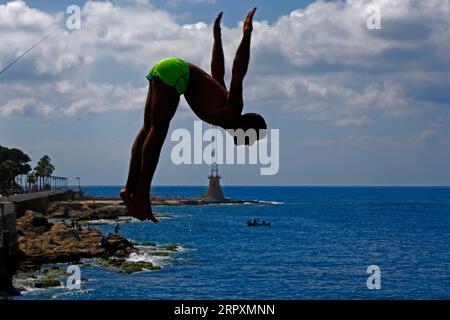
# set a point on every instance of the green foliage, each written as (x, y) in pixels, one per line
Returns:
(8, 171)
(13, 162)
(31, 180)
(17, 156)
(44, 167)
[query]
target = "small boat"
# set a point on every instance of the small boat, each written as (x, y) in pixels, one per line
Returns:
(257, 223)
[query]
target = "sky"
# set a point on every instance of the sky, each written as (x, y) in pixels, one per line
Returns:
(353, 105)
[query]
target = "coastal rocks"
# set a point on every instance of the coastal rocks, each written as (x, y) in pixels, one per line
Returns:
(43, 242)
(48, 277)
(117, 245)
(47, 282)
(132, 267)
(171, 247)
(107, 212)
(80, 210)
(124, 266)
(32, 223)
(149, 256)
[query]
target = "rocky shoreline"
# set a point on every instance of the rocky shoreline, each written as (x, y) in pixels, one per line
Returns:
(178, 201)
(43, 242)
(84, 210)
(47, 240)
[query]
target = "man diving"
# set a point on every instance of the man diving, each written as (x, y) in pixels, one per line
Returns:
(209, 99)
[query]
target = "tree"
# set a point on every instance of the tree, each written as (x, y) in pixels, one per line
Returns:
(17, 156)
(44, 169)
(8, 171)
(31, 180)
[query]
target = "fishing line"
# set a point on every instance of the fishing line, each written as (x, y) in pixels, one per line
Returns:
(26, 52)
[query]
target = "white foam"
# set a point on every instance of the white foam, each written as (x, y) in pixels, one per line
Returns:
(158, 247)
(180, 249)
(146, 257)
(270, 202)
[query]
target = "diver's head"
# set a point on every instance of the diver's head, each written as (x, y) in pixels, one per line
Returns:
(243, 133)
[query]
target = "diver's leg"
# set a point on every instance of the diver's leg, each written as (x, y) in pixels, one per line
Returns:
(240, 66)
(165, 100)
(218, 59)
(135, 161)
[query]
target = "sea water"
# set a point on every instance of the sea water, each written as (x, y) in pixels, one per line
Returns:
(320, 244)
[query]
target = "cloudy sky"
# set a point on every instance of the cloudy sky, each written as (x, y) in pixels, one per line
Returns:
(354, 106)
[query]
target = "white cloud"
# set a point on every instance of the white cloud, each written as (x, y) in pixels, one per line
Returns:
(428, 137)
(25, 107)
(356, 121)
(320, 63)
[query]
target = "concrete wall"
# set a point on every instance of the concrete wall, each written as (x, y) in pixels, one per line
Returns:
(9, 212)
(38, 201)
(8, 245)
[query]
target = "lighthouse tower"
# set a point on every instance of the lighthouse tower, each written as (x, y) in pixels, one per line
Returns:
(214, 190)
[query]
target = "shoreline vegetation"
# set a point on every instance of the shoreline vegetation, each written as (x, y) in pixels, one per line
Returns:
(17, 176)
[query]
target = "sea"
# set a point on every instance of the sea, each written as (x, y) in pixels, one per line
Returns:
(323, 243)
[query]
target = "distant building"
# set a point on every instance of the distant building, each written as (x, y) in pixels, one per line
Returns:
(214, 190)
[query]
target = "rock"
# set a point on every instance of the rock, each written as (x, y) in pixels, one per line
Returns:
(114, 263)
(124, 266)
(107, 212)
(47, 282)
(33, 222)
(170, 247)
(42, 242)
(117, 245)
(132, 267)
(84, 211)
(54, 272)
(65, 206)
(149, 244)
(160, 254)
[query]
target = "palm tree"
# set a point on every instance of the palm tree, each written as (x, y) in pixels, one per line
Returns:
(31, 180)
(44, 169)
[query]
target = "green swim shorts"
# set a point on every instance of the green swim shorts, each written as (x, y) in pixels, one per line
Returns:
(174, 72)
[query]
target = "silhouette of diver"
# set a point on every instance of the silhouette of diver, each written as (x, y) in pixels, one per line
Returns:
(207, 96)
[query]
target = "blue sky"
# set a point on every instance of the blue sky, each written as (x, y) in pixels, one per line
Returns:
(354, 106)
(193, 11)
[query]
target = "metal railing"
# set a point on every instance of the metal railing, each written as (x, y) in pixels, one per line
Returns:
(27, 184)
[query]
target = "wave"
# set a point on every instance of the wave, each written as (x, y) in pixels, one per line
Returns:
(270, 202)
(148, 257)
(158, 247)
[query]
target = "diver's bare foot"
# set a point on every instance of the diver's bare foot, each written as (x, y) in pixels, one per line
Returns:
(248, 24)
(145, 207)
(131, 206)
